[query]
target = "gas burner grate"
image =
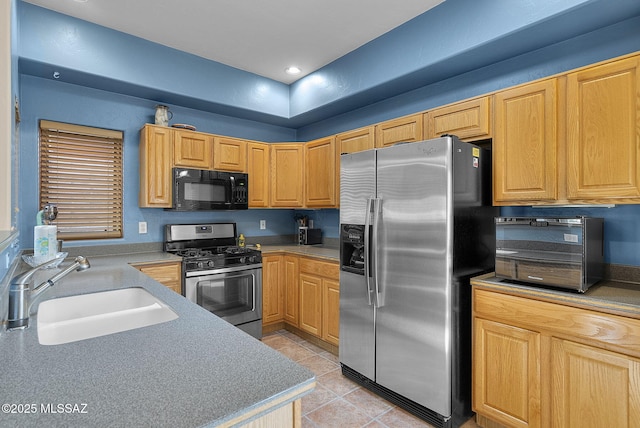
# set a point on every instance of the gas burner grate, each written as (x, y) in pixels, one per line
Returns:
(193, 252)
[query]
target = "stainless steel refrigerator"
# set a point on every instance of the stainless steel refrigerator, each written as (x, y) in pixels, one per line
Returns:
(416, 223)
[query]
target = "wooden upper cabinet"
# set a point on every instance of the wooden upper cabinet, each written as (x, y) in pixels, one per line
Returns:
(356, 140)
(320, 173)
(155, 167)
(401, 130)
(525, 144)
(603, 132)
(469, 120)
(259, 177)
(287, 175)
(192, 149)
(229, 154)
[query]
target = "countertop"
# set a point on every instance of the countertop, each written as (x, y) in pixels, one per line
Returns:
(610, 296)
(194, 371)
(318, 251)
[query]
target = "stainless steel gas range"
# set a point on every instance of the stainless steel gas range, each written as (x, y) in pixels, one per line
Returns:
(218, 275)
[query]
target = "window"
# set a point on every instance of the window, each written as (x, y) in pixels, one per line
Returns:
(81, 173)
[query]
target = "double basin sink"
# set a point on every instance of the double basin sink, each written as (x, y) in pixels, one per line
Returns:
(85, 316)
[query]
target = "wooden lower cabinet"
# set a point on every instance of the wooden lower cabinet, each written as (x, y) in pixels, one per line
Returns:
(320, 299)
(331, 311)
(291, 290)
(592, 387)
(544, 364)
(311, 304)
(301, 292)
(516, 401)
(166, 273)
(272, 289)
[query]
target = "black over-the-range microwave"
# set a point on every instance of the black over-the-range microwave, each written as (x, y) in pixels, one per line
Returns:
(205, 190)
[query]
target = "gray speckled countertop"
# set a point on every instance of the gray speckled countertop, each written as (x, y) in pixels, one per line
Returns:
(194, 371)
(610, 296)
(319, 251)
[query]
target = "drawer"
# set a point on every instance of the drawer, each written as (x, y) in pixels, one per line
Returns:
(558, 274)
(319, 268)
(609, 331)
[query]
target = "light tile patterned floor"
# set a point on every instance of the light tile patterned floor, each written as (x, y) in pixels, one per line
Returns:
(337, 401)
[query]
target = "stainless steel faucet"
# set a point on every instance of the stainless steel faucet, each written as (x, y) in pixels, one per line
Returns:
(21, 297)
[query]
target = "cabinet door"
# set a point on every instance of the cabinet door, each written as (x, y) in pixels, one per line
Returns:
(229, 154)
(356, 140)
(592, 387)
(402, 130)
(258, 170)
(525, 144)
(291, 295)
(603, 132)
(506, 373)
(193, 149)
(155, 167)
(168, 274)
(272, 289)
(331, 311)
(468, 120)
(287, 187)
(311, 304)
(320, 173)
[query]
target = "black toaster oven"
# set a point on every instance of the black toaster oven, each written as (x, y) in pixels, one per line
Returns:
(565, 252)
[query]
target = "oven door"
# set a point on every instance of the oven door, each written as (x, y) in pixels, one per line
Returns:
(233, 294)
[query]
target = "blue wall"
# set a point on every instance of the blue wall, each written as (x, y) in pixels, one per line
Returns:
(407, 70)
(63, 102)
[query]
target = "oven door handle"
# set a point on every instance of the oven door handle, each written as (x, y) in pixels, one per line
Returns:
(215, 271)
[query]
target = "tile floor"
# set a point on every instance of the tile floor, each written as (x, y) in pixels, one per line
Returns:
(337, 401)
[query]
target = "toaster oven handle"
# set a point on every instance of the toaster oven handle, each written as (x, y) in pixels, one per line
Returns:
(539, 223)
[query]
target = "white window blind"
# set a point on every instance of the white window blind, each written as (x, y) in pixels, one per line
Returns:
(81, 173)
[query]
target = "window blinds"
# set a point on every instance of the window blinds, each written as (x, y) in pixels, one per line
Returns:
(81, 173)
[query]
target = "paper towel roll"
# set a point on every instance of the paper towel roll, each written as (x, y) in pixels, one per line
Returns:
(45, 241)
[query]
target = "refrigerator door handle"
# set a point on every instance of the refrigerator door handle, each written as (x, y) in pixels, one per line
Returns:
(367, 249)
(378, 291)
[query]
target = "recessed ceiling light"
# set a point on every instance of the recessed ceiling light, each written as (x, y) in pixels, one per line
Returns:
(292, 70)
(81, 1)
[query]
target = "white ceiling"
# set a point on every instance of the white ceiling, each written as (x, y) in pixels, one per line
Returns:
(260, 36)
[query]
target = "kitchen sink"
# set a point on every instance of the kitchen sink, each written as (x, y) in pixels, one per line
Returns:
(84, 316)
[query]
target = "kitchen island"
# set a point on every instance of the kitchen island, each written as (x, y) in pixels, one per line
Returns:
(196, 370)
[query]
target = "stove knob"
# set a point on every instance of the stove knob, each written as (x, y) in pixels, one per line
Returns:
(252, 259)
(243, 259)
(210, 263)
(200, 265)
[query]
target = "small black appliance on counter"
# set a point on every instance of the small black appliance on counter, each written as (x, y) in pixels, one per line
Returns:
(307, 236)
(565, 252)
